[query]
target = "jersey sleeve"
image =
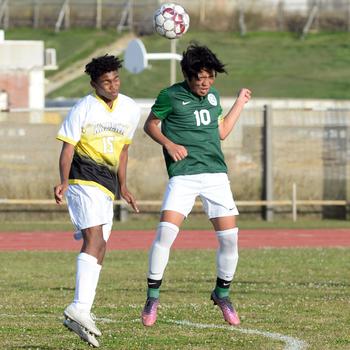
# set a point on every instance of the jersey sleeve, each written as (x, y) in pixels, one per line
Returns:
(136, 114)
(221, 117)
(162, 107)
(71, 128)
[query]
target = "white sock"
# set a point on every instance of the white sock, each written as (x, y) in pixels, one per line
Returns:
(159, 254)
(87, 276)
(227, 253)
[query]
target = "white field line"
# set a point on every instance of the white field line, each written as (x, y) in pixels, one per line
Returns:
(291, 343)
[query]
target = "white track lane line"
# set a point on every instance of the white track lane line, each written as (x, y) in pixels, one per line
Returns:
(291, 343)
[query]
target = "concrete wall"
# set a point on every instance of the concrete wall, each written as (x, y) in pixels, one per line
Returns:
(3, 100)
(22, 73)
(16, 85)
(21, 54)
(310, 148)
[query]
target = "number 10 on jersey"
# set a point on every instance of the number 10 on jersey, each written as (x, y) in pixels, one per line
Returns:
(202, 117)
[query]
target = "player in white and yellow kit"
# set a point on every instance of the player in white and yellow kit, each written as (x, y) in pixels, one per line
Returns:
(96, 136)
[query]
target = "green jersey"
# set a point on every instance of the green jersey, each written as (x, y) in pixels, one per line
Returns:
(191, 121)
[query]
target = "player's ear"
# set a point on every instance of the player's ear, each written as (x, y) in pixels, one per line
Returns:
(93, 84)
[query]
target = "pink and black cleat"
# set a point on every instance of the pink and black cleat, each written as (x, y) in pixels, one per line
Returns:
(149, 313)
(228, 311)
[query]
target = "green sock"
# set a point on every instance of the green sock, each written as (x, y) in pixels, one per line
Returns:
(221, 292)
(153, 292)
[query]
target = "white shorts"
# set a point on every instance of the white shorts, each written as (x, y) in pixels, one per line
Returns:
(213, 189)
(89, 206)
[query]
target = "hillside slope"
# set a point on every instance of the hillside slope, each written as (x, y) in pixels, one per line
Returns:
(76, 70)
(273, 65)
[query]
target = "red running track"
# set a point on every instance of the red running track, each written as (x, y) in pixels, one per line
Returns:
(142, 240)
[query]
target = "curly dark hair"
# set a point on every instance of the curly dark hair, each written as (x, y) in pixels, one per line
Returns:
(101, 65)
(197, 58)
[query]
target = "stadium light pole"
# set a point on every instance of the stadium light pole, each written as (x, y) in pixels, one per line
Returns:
(173, 43)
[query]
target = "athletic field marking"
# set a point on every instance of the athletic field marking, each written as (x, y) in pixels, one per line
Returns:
(291, 343)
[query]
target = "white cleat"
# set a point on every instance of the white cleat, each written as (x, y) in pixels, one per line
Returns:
(82, 318)
(83, 333)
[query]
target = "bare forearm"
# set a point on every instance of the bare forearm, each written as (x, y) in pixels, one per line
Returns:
(121, 173)
(64, 166)
(152, 129)
(230, 119)
(65, 163)
(232, 116)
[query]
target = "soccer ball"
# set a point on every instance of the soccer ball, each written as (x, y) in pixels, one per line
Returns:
(171, 21)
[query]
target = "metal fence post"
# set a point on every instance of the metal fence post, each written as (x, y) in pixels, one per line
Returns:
(294, 202)
(268, 162)
(120, 210)
(98, 14)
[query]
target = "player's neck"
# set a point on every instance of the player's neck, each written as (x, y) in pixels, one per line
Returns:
(107, 101)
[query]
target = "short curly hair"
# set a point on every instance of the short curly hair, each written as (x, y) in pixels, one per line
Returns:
(197, 58)
(101, 65)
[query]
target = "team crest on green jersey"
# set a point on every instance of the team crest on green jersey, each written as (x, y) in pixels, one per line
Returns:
(212, 99)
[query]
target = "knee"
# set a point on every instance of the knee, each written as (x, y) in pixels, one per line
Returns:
(101, 244)
(228, 239)
(93, 238)
(166, 235)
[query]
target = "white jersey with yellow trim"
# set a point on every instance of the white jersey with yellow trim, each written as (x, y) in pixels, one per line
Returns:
(99, 134)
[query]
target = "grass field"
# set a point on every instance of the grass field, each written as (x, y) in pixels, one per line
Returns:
(298, 293)
(285, 297)
(271, 64)
(276, 65)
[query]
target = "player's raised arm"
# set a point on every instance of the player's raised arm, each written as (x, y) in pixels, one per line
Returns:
(227, 124)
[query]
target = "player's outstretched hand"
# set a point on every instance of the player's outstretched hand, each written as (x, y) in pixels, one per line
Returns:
(176, 152)
(59, 191)
(244, 95)
(129, 198)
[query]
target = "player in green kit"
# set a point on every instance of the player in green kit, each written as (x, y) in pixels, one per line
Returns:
(192, 126)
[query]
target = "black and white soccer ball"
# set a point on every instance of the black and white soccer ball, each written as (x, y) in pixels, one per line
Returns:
(171, 21)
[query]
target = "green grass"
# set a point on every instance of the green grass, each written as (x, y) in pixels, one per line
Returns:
(271, 64)
(194, 222)
(278, 65)
(275, 65)
(300, 293)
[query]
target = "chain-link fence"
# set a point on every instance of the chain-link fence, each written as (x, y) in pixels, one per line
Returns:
(249, 15)
(309, 148)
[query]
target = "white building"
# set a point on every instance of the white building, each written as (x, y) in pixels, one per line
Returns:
(22, 76)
